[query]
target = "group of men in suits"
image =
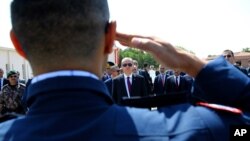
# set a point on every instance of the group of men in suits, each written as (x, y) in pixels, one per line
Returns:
(131, 84)
(166, 83)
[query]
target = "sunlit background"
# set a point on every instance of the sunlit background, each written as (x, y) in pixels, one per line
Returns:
(206, 27)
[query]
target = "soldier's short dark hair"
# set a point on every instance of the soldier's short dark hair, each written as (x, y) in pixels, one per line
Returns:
(46, 27)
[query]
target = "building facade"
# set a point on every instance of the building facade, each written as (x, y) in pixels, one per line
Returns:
(11, 60)
(244, 57)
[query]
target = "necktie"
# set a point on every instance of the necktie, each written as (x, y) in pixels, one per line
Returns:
(129, 85)
(162, 79)
(176, 82)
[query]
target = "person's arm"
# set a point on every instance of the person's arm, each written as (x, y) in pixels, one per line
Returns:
(222, 83)
(164, 52)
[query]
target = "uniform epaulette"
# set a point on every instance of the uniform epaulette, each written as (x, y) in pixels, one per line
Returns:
(219, 107)
(245, 116)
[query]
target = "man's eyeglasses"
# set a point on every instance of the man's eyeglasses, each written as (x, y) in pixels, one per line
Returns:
(128, 64)
(228, 56)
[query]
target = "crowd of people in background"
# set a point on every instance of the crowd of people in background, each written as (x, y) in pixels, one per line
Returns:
(158, 80)
(146, 81)
(131, 81)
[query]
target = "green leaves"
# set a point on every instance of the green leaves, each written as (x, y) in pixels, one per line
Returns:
(140, 56)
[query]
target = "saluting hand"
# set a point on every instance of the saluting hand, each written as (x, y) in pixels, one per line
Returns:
(164, 52)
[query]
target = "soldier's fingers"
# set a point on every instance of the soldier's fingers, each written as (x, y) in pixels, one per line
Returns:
(125, 39)
(163, 52)
(152, 46)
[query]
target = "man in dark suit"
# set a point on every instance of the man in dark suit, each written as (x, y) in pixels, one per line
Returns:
(136, 69)
(176, 83)
(128, 84)
(190, 81)
(229, 56)
(160, 81)
(115, 71)
(107, 72)
(240, 67)
(3, 81)
(67, 101)
(148, 79)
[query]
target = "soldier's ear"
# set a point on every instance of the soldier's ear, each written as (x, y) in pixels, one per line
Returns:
(110, 37)
(17, 44)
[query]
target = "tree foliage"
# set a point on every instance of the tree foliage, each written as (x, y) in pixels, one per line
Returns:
(247, 49)
(140, 56)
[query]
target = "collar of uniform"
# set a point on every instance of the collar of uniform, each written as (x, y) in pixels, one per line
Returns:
(63, 73)
(65, 81)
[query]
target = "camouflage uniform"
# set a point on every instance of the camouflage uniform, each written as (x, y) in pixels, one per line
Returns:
(10, 99)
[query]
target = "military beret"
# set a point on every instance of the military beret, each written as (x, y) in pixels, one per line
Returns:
(109, 64)
(11, 73)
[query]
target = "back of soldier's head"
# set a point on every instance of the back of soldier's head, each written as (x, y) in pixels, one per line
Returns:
(59, 29)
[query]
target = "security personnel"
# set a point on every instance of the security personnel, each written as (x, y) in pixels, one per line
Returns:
(11, 96)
